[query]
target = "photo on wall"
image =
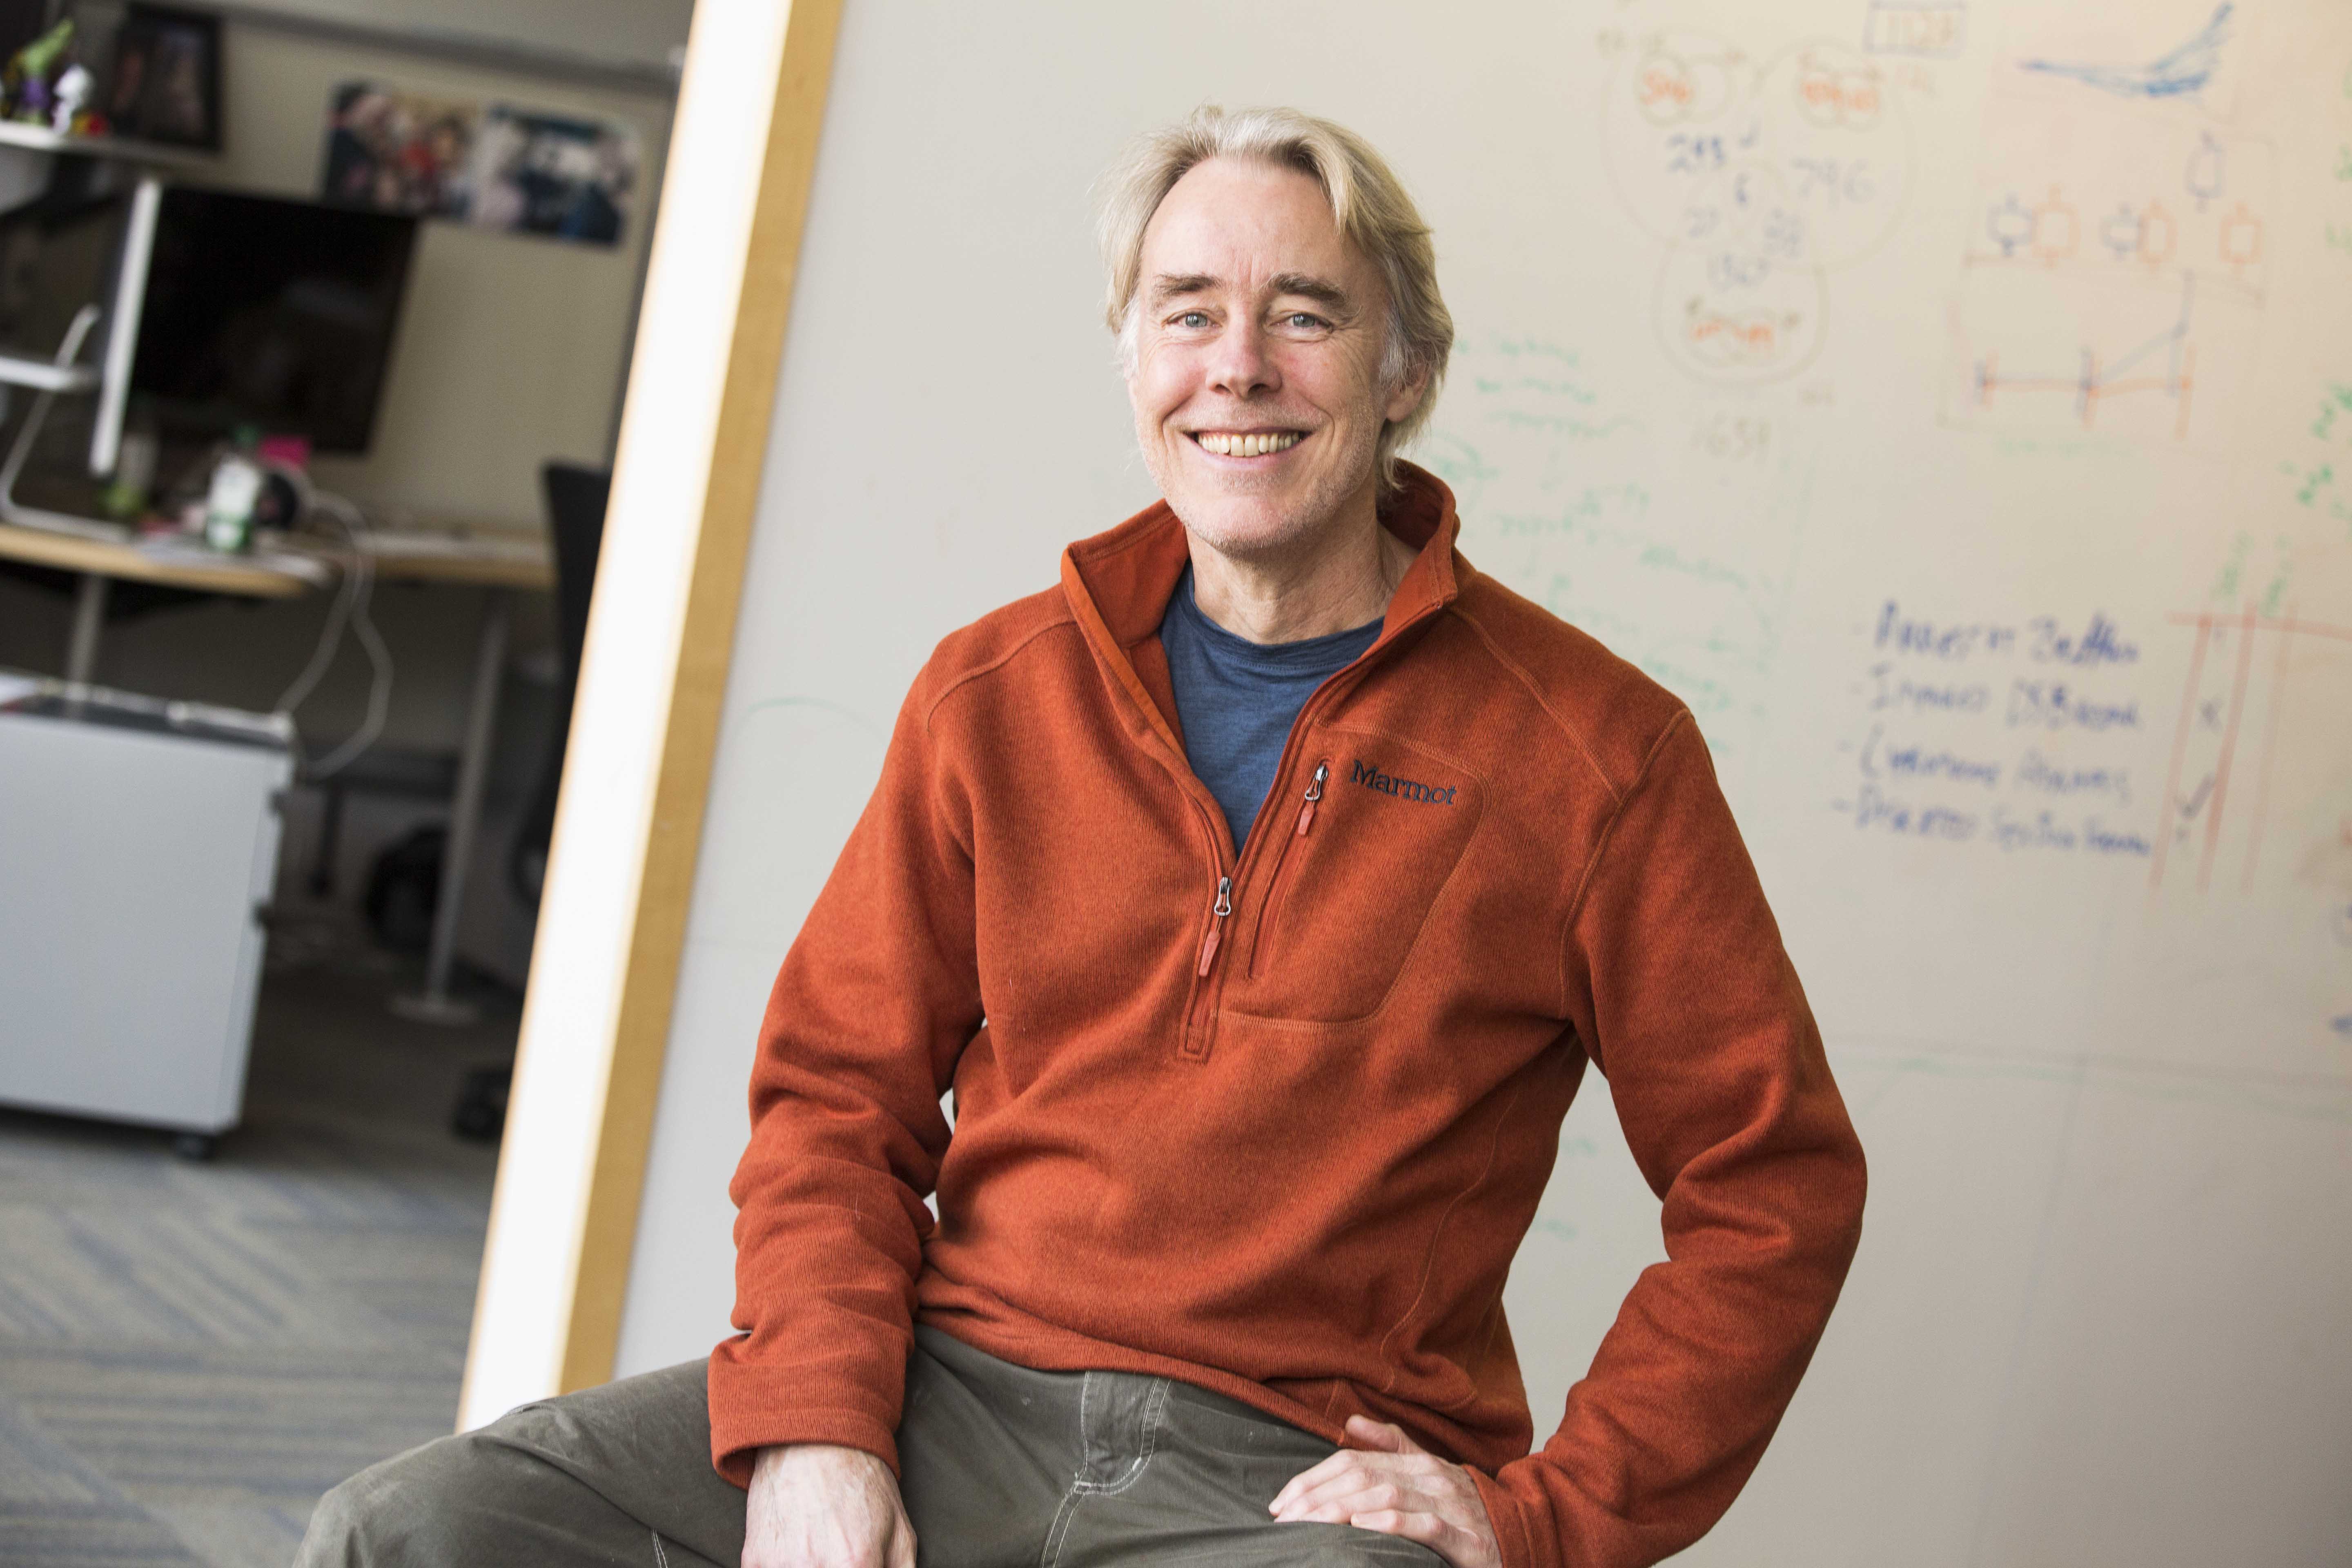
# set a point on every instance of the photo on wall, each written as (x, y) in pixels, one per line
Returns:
(164, 84)
(554, 175)
(399, 152)
(493, 166)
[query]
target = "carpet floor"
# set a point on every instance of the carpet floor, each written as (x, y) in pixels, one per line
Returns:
(191, 1354)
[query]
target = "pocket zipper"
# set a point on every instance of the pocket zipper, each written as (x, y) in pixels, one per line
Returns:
(1274, 894)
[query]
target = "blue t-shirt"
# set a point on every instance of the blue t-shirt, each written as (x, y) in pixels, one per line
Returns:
(1236, 700)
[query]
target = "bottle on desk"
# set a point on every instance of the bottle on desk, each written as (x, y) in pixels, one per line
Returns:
(235, 492)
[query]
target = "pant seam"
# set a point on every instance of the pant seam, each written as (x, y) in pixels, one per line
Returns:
(661, 1558)
(1154, 1404)
(1060, 1531)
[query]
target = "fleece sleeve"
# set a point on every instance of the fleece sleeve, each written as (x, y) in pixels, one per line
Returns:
(875, 1000)
(1685, 1000)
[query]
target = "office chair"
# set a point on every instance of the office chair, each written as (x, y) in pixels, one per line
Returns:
(575, 514)
(576, 498)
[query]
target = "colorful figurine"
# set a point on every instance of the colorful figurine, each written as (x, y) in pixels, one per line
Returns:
(25, 82)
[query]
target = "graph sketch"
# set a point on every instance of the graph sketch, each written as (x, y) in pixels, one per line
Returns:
(2117, 255)
(1762, 178)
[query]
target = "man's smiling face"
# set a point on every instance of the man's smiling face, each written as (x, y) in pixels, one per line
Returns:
(1256, 385)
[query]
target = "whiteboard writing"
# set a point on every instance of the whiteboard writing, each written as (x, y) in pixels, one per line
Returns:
(1760, 179)
(2015, 733)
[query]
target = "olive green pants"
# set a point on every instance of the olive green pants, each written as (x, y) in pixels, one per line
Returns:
(1001, 1467)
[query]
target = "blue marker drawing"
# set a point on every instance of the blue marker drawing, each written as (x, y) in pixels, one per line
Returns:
(2342, 1026)
(2203, 176)
(2184, 71)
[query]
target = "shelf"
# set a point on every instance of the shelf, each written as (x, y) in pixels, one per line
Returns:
(47, 375)
(41, 139)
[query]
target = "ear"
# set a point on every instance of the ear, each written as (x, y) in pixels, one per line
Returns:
(1406, 396)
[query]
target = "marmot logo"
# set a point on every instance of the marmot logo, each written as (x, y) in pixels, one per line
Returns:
(1403, 789)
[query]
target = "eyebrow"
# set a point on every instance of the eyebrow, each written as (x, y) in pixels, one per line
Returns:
(1321, 291)
(1176, 285)
(1171, 286)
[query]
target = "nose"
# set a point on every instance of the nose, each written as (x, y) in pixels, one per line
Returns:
(1239, 365)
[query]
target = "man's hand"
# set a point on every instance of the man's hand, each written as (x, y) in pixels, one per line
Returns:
(1389, 1483)
(814, 1505)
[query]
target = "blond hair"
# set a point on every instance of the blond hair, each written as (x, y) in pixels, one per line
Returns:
(1368, 202)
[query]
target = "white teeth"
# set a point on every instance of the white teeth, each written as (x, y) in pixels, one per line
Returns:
(1227, 444)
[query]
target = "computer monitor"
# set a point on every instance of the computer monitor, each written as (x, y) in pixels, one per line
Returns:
(234, 310)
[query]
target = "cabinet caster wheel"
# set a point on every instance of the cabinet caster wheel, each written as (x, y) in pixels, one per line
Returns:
(192, 1146)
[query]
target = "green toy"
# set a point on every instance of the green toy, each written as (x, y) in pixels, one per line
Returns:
(25, 81)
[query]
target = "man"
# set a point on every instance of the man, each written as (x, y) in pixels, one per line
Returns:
(1260, 893)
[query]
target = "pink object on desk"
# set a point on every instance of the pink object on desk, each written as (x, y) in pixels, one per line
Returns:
(292, 451)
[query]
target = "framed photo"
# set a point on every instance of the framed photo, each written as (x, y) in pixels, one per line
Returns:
(166, 82)
(495, 166)
(554, 175)
(399, 152)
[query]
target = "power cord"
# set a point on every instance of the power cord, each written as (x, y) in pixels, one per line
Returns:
(349, 611)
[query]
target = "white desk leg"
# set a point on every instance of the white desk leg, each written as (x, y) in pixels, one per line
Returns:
(88, 620)
(434, 1005)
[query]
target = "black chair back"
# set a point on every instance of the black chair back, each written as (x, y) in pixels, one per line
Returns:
(576, 498)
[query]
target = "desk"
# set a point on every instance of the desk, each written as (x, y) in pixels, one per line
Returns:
(99, 560)
(499, 560)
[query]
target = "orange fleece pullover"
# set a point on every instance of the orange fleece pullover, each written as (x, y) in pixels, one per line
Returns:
(1274, 1124)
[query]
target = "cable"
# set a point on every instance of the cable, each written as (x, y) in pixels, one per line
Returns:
(330, 643)
(349, 610)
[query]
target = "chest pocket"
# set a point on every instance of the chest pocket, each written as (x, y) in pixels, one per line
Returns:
(1351, 897)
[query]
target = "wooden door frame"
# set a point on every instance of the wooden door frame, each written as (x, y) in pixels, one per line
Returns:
(693, 437)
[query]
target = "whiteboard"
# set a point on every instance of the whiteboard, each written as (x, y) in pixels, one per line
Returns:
(1953, 403)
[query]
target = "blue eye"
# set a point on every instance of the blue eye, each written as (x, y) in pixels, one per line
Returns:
(1303, 321)
(1193, 319)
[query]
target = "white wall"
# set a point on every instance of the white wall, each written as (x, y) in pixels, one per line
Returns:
(644, 32)
(511, 347)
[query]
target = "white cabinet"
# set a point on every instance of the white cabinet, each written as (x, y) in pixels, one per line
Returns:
(138, 844)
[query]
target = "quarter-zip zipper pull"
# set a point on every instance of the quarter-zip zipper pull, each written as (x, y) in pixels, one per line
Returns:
(1217, 926)
(1314, 794)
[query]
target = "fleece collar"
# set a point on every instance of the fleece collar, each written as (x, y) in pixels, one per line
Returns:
(1118, 583)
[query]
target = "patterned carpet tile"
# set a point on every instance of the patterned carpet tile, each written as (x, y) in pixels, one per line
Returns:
(58, 1512)
(75, 1541)
(229, 1532)
(322, 1167)
(202, 1277)
(274, 1423)
(192, 1354)
(312, 1235)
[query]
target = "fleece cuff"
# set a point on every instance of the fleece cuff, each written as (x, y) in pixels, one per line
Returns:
(1508, 1517)
(756, 1408)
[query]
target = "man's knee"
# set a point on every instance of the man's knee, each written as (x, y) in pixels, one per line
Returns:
(443, 1502)
(583, 1478)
